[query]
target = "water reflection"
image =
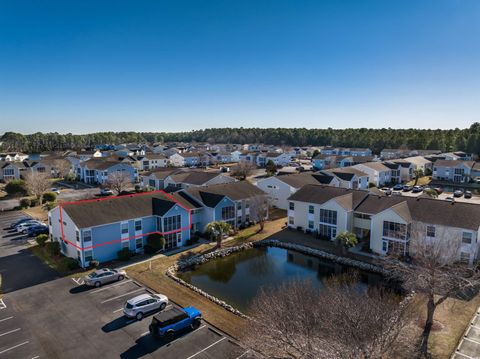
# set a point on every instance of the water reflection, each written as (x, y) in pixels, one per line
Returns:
(238, 277)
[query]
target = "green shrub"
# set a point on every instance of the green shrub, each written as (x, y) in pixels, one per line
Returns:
(41, 239)
(54, 248)
(156, 241)
(33, 202)
(147, 249)
(16, 188)
(49, 197)
(371, 184)
(70, 177)
(71, 263)
(50, 205)
(25, 202)
(124, 254)
(94, 263)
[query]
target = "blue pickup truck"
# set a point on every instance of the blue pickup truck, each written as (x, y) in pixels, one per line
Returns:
(167, 323)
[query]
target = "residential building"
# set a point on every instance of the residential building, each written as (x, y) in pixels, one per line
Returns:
(350, 177)
(96, 170)
(99, 229)
(378, 173)
(13, 157)
(279, 159)
(452, 170)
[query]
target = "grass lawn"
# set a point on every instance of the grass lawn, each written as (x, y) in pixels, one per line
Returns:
(213, 313)
(422, 181)
(38, 212)
(58, 262)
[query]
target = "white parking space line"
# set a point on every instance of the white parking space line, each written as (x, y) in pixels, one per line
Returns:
(463, 355)
(2, 304)
(4, 319)
(15, 346)
(471, 340)
(9, 332)
(118, 310)
(36, 357)
(173, 341)
(79, 281)
(211, 345)
(240, 356)
(123, 295)
(111, 286)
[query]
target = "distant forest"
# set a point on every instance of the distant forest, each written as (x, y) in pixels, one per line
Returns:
(376, 139)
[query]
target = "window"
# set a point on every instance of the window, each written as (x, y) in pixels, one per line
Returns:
(124, 227)
(431, 231)
(384, 246)
(125, 244)
(465, 257)
(325, 230)
(151, 183)
(79, 256)
(239, 206)
(361, 215)
(50, 220)
(291, 220)
(228, 212)
(138, 243)
(8, 172)
(311, 209)
(172, 223)
(328, 216)
(395, 230)
(77, 235)
(291, 206)
(87, 236)
(138, 225)
(172, 240)
(310, 224)
(88, 256)
(239, 219)
(467, 237)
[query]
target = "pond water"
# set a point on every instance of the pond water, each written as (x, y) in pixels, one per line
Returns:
(237, 278)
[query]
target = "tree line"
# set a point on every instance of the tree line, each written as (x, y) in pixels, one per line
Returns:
(467, 139)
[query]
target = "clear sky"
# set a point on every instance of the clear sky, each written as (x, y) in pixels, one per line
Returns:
(90, 65)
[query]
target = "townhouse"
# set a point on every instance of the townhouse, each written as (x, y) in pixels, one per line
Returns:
(13, 157)
(329, 150)
(174, 178)
(279, 159)
(10, 170)
(151, 161)
(97, 170)
(453, 170)
(349, 177)
(388, 224)
(395, 171)
(235, 203)
(99, 229)
(421, 163)
(378, 173)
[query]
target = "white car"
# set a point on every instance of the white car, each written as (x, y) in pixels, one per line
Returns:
(144, 303)
(55, 190)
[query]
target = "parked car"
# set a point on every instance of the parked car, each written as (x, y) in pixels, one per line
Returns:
(21, 228)
(458, 193)
(104, 276)
(396, 193)
(36, 230)
(439, 190)
(398, 187)
(20, 221)
(106, 192)
(468, 194)
(417, 189)
(450, 199)
(407, 188)
(142, 304)
(167, 323)
(55, 190)
(387, 191)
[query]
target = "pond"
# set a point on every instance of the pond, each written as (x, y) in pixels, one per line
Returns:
(237, 278)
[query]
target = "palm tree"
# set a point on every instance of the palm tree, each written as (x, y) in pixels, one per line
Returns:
(418, 173)
(346, 240)
(431, 192)
(217, 230)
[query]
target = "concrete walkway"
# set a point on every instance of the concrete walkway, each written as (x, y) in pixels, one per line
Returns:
(469, 346)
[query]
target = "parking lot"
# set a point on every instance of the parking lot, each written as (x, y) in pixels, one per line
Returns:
(19, 268)
(65, 319)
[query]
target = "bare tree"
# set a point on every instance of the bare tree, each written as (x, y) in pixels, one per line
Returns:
(242, 169)
(119, 181)
(434, 270)
(61, 167)
(37, 183)
(298, 320)
(259, 207)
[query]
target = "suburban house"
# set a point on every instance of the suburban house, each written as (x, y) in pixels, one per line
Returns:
(378, 173)
(182, 178)
(452, 170)
(328, 150)
(248, 157)
(233, 203)
(349, 177)
(406, 169)
(13, 157)
(279, 159)
(151, 161)
(280, 188)
(96, 171)
(396, 171)
(420, 162)
(13, 170)
(99, 229)
(387, 223)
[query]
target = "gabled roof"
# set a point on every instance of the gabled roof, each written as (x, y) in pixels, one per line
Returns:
(298, 180)
(347, 173)
(193, 177)
(376, 166)
(454, 163)
(115, 209)
(101, 163)
(320, 194)
(212, 195)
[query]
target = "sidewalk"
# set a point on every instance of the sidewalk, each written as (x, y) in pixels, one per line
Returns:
(469, 346)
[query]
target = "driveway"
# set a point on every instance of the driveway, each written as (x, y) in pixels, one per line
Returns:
(19, 268)
(65, 319)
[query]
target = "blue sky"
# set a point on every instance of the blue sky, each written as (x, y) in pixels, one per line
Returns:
(85, 66)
